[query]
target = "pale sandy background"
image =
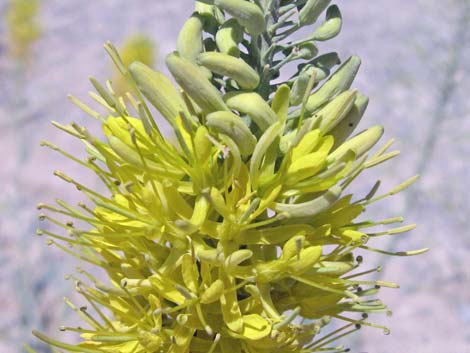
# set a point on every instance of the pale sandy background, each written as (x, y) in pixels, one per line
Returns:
(416, 64)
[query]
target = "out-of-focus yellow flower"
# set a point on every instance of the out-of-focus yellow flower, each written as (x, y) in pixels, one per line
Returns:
(23, 26)
(137, 47)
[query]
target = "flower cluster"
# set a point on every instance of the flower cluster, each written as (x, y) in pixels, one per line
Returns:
(238, 234)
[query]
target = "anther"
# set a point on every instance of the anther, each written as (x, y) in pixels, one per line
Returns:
(298, 245)
(182, 319)
(132, 133)
(182, 223)
(208, 330)
(184, 292)
(128, 186)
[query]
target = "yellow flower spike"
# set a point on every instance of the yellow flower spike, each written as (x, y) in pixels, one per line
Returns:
(227, 239)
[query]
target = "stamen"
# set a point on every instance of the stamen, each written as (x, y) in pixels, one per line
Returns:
(115, 57)
(365, 323)
(400, 187)
(78, 255)
(377, 269)
(214, 344)
(68, 129)
(398, 253)
(85, 108)
(288, 319)
(326, 337)
(394, 231)
(62, 345)
(89, 298)
(346, 293)
(376, 161)
(384, 148)
(84, 315)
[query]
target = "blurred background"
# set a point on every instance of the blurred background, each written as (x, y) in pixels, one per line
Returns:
(416, 71)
